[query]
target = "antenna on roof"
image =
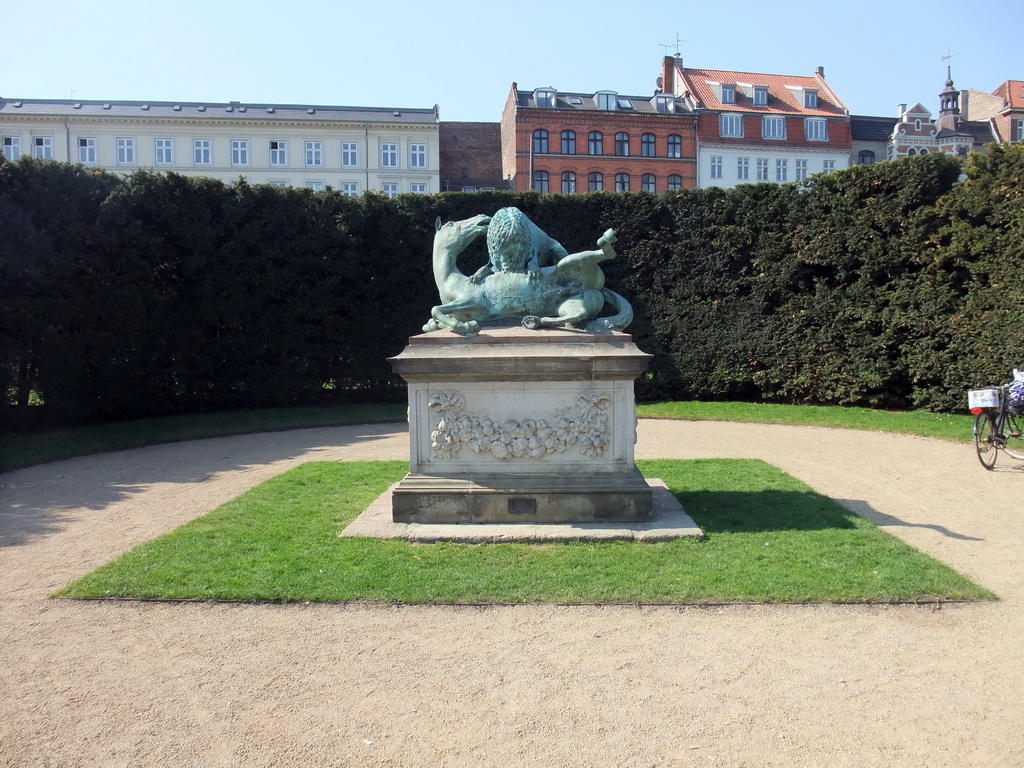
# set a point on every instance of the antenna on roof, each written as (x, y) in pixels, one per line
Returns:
(677, 45)
(948, 55)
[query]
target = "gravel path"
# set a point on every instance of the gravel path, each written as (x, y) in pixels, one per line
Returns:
(145, 684)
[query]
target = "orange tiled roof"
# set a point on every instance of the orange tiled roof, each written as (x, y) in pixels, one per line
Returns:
(1011, 92)
(781, 100)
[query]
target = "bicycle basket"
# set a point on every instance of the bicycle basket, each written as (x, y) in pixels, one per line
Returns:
(983, 398)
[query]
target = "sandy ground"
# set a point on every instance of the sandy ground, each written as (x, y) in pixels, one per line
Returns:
(144, 684)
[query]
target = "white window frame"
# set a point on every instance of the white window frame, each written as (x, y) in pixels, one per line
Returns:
(11, 147)
(418, 187)
(810, 98)
(278, 152)
(125, 150)
(239, 152)
(743, 169)
(278, 183)
(544, 98)
(828, 166)
(87, 150)
(164, 151)
(349, 154)
(418, 155)
(728, 94)
(760, 96)
(781, 169)
(762, 169)
(391, 188)
(389, 154)
(607, 100)
(816, 129)
(314, 154)
(1020, 130)
(350, 188)
(716, 166)
(316, 186)
(773, 127)
(730, 125)
(202, 152)
(800, 170)
(42, 147)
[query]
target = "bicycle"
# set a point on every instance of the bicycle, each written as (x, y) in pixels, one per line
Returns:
(997, 422)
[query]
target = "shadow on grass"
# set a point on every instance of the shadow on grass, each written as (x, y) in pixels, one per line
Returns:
(763, 511)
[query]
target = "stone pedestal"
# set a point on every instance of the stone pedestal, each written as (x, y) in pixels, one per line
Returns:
(521, 426)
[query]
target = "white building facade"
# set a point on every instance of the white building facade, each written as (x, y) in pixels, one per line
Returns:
(352, 149)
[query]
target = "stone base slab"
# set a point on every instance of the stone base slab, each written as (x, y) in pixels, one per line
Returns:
(523, 498)
(668, 522)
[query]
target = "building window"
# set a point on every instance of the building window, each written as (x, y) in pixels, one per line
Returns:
(568, 142)
(350, 188)
(762, 169)
(277, 183)
(917, 125)
(86, 151)
(606, 100)
(675, 146)
(622, 182)
(202, 152)
(781, 170)
(418, 188)
(828, 166)
(622, 144)
(349, 155)
(675, 181)
(279, 153)
(815, 129)
(239, 152)
(314, 154)
(1020, 130)
(545, 99)
(540, 142)
(648, 183)
(801, 170)
(417, 155)
(773, 128)
(12, 147)
(125, 151)
(716, 166)
(911, 152)
(595, 182)
(866, 157)
(568, 182)
(664, 104)
(760, 96)
(728, 94)
(743, 168)
(390, 188)
(647, 145)
(810, 99)
(316, 186)
(595, 143)
(389, 155)
(540, 182)
(924, 151)
(164, 151)
(961, 152)
(42, 148)
(731, 126)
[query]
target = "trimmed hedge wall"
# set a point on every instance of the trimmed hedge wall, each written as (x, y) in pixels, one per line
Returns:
(891, 285)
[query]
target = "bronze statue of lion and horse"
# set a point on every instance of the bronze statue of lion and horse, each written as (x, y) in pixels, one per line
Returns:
(529, 275)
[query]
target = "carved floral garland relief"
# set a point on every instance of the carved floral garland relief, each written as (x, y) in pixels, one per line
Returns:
(584, 423)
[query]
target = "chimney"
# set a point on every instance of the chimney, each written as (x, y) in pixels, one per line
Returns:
(900, 109)
(820, 71)
(668, 76)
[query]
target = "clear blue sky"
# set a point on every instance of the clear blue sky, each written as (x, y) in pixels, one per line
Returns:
(464, 56)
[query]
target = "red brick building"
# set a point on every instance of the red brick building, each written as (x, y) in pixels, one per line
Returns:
(555, 141)
(1003, 110)
(470, 157)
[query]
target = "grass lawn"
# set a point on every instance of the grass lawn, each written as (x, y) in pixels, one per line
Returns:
(769, 538)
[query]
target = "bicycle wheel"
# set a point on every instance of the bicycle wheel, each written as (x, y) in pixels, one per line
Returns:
(984, 431)
(1014, 435)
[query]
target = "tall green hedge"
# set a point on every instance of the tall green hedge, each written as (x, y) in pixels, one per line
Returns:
(891, 285)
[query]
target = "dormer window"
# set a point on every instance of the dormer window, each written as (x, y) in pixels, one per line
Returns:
(544, 98)
(810, 99)
(728, 94)
(606, 100)
(665, 104)
(760, 96)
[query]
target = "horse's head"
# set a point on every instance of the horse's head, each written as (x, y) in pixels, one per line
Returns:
(457, 235)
